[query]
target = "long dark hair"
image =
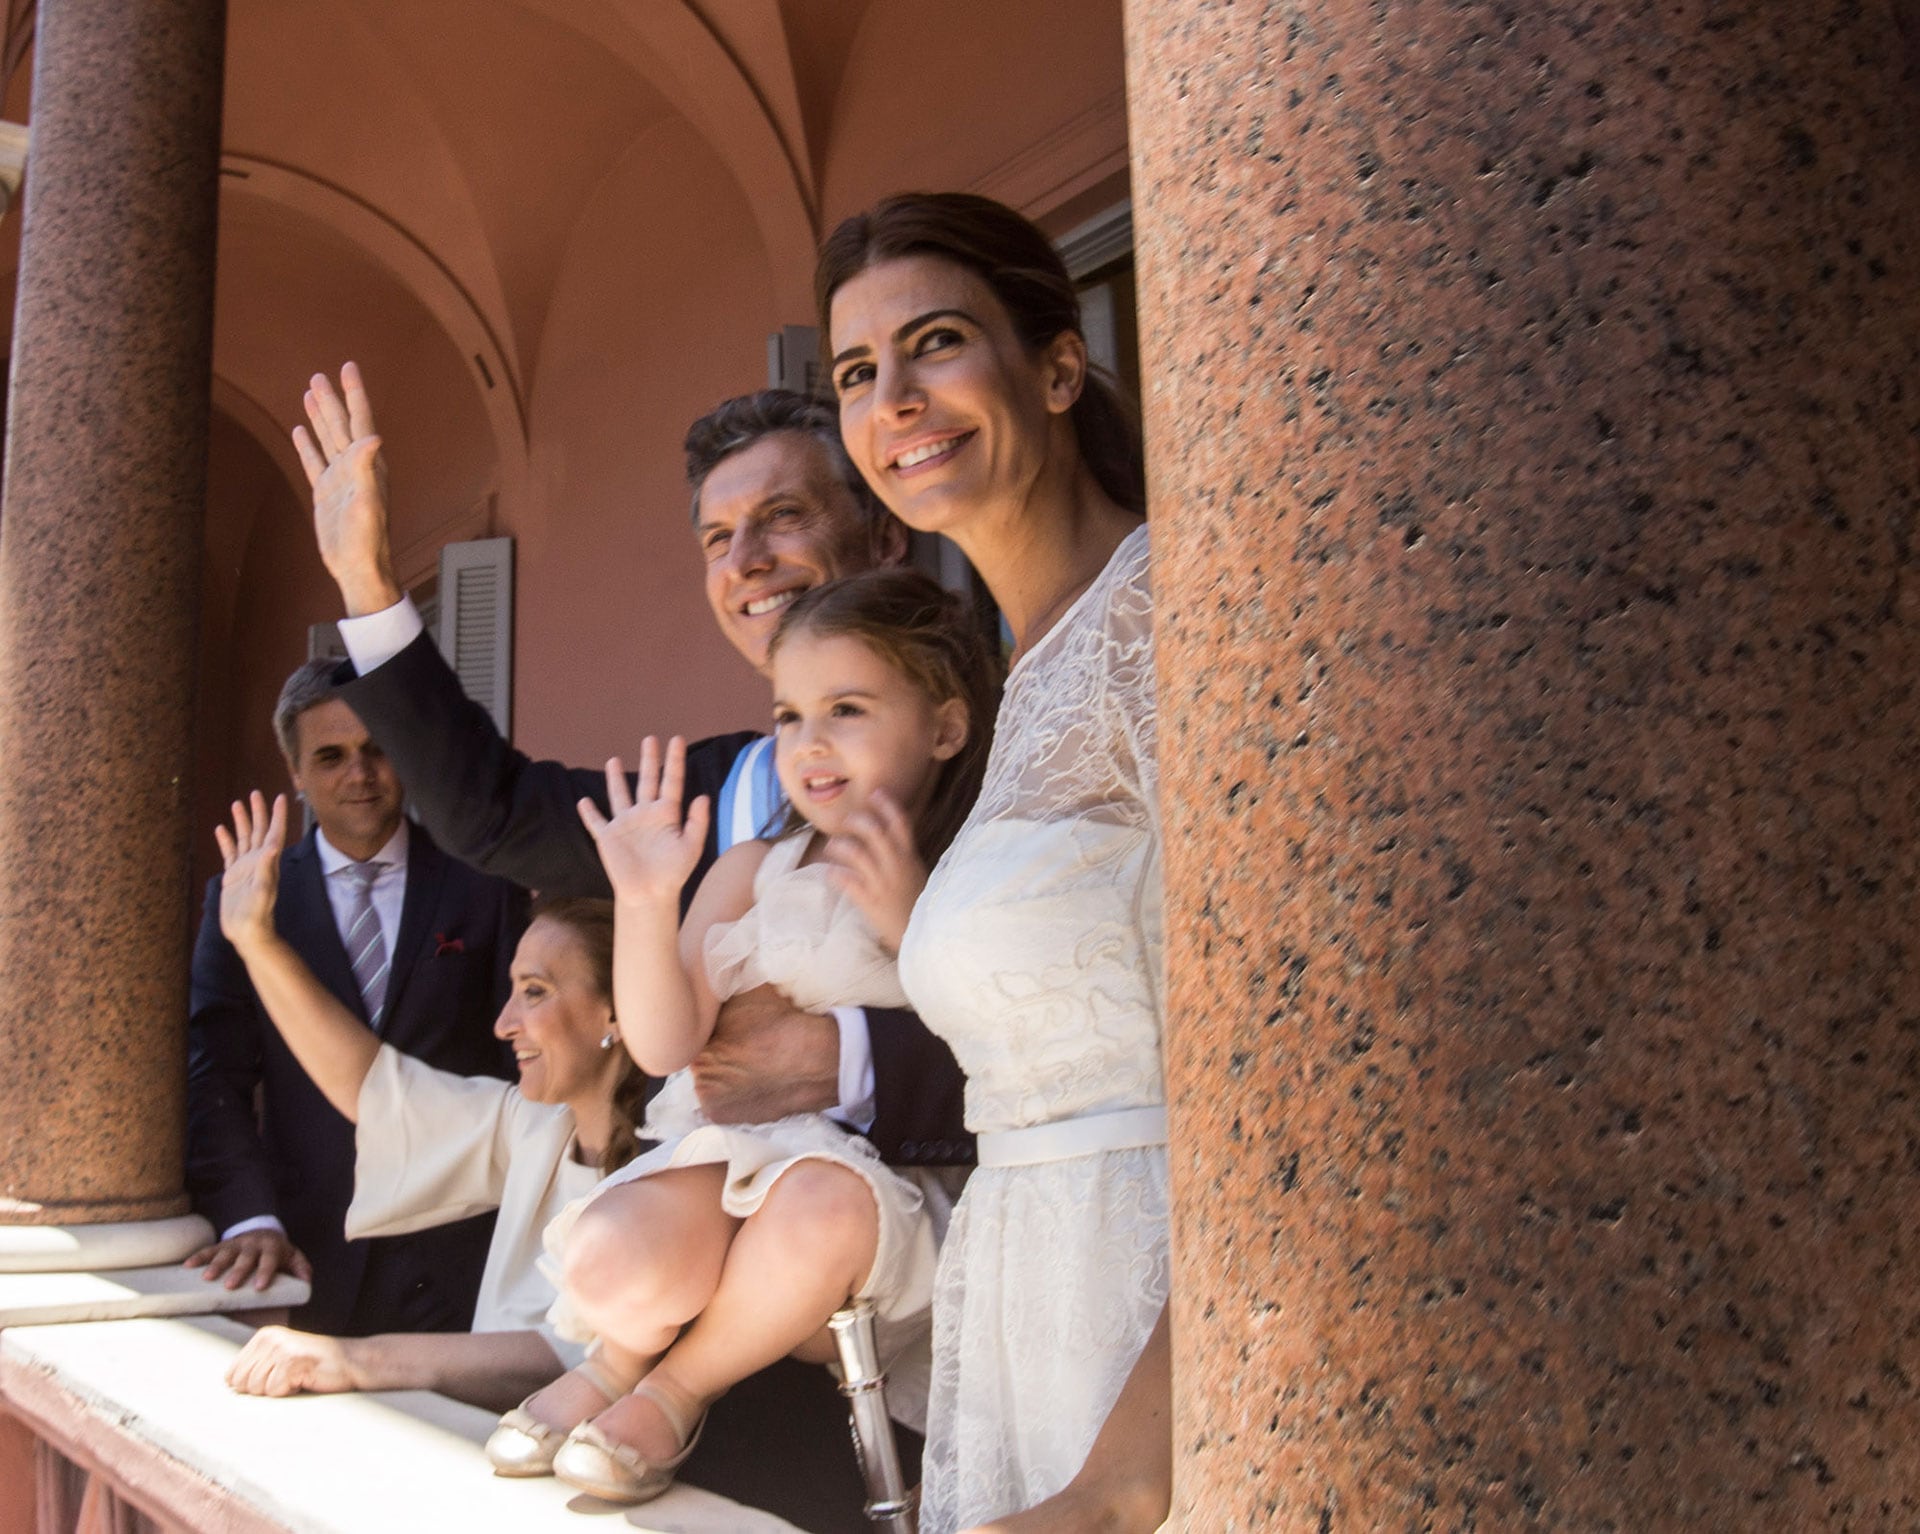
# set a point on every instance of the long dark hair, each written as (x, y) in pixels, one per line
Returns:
(1028, 277)
(929, 635)
(591, 921)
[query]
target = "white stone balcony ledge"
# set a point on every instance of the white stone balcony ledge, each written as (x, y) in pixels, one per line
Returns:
(143, 1405)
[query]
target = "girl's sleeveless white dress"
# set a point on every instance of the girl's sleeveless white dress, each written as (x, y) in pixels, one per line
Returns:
(1035, 953)
(804, 937)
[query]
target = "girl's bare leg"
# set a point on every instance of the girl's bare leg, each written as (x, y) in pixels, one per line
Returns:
(642, 1260)
(793, 1264)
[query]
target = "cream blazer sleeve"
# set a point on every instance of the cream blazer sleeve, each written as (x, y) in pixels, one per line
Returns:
(430, 1147)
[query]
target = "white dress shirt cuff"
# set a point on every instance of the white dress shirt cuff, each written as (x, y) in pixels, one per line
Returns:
(258, 1222)
(374, 640)
(856, 1069)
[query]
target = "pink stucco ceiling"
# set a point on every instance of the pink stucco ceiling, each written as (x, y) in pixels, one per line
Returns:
(554, 231)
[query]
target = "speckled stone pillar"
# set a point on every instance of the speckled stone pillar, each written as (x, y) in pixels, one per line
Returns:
(1534, 423)
(99, 553)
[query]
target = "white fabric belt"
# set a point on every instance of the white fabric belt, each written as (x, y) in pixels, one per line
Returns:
(1063, 1139)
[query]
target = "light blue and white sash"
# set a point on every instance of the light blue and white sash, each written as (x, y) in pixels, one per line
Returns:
(750, 799)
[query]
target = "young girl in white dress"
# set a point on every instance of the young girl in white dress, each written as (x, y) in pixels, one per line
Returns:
(727, 1247)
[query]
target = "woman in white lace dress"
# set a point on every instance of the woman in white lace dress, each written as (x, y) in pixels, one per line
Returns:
(966, 401)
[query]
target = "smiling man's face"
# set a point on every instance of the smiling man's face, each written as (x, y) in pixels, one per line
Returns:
(346, 778)
(775, 520)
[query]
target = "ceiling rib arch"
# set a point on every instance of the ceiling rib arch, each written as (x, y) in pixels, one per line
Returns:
(499, 387)
(673, 48)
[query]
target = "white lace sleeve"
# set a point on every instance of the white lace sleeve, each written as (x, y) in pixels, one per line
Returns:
(1131, 694)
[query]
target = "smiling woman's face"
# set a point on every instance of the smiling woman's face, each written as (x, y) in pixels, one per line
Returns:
(556, 1018)
(942, 408)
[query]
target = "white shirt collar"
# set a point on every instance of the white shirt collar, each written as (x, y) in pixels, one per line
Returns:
(394, 854)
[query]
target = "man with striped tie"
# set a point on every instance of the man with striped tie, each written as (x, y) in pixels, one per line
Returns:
(414, 942)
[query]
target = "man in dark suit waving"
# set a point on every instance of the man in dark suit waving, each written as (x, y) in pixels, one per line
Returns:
(777, 509)
(414, 942)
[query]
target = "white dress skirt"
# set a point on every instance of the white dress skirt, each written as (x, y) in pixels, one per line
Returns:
(810, 942)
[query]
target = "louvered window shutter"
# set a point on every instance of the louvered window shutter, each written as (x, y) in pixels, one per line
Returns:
(324, 642)
(793, 359)
(476, 622)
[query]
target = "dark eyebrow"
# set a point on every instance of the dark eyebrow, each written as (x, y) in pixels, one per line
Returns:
(782, 496)
(916, 323)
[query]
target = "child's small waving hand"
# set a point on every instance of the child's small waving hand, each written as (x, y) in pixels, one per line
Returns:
(648, 852)
(877, 863)
(646, 848)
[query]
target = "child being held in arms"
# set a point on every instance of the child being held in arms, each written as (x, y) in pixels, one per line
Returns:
(727, 1247)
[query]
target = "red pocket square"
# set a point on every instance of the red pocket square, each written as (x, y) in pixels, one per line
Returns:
(445, 945)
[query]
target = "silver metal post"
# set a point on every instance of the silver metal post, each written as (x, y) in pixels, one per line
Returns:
(890, 1505)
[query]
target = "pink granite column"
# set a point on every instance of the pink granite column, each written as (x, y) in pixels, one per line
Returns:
(99, 553)
(1534, 429)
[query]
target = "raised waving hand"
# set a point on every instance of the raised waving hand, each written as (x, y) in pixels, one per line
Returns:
(250, 854)
(333, 1046)
(646, 848)
(876, 862)
(340, 451)
(648, 851)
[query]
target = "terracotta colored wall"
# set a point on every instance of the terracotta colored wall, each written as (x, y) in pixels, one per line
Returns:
(350, 93)
(1003, 96)
(662, 309)
(18, 1500)
(239, 676)
(577, 221)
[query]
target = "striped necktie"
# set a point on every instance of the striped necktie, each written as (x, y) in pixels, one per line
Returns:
(366, 948)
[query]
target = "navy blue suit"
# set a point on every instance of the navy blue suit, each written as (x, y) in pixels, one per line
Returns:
(456, 939)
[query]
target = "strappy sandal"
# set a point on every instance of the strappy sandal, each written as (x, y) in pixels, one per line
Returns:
(523, 1445)
(618, 1472)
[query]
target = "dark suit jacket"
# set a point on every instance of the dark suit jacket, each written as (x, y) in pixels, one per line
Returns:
(512, 816)
(457, 933)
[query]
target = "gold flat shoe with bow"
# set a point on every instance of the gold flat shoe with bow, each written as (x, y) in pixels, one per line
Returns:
(523, 1445)
(618, 1472)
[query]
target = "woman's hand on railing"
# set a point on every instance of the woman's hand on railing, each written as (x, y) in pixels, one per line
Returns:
(278, 1361)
